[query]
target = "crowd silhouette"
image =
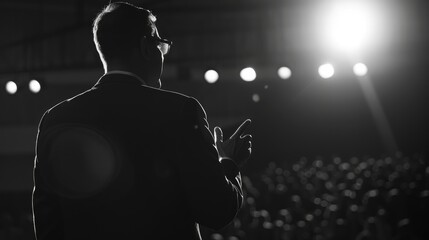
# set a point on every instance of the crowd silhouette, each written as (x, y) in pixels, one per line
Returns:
(331, 198)
(335, 198)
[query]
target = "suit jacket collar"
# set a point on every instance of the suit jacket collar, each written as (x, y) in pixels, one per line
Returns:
(119, 77)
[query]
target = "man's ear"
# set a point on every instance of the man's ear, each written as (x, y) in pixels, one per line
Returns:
(144, 48)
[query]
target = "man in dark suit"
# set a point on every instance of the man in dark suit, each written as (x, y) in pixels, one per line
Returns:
(127, 160)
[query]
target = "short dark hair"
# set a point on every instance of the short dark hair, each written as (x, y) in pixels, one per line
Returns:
(118, 28)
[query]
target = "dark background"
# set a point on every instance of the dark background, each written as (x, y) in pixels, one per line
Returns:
(301, 116)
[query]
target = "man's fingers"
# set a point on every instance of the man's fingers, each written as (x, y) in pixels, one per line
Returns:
(218, 135)
(240, 130)
(247, 137)
(246, 140)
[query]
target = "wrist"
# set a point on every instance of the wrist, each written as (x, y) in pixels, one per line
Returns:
(230, 167)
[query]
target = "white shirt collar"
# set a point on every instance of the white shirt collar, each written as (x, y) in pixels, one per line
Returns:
(126, 73)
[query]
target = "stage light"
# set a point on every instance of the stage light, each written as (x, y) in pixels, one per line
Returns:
(11, 87)
(360, 69)
(248, 74)
(326, 70)
(284, 73)
(351, 26)
(34, 86)
(211, 76)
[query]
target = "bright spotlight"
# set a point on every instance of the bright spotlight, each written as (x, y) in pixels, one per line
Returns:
(360, 69)
(11, 87)
(34, 86)
(326, 70)
(248, 74)
(351, 25)
(211, 76)
(284, 73)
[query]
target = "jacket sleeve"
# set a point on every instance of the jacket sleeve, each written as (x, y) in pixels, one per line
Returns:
(46, 208)
(212, 186)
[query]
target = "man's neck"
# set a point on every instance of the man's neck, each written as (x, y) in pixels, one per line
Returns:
(126, 73)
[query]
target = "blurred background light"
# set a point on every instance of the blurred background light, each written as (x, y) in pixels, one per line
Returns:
(256, 98)
(284, 72)
(326, 70)
(248, 74)
(211, 76)
(11, 87)
(34, 86)
(360, 69)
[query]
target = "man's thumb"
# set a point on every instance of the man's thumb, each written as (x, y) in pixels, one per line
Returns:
(218, 135)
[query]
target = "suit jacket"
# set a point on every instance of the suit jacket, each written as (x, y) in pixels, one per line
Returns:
(127, 161)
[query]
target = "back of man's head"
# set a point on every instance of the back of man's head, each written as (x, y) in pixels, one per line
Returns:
(118, 29)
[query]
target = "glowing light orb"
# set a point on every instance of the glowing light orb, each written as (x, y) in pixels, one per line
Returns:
(211, 76)
(326, 70)
(34, 86)
(248, 74)
(11, 87)
(360, 69)
(284, 72)
(256, 98)
(351, 25)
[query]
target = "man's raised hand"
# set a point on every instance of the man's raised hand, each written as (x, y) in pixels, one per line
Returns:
(238, 147)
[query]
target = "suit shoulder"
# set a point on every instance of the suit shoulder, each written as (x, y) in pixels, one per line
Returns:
(66, 102)
(180, 103)
(175, 97)
(62, 105)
